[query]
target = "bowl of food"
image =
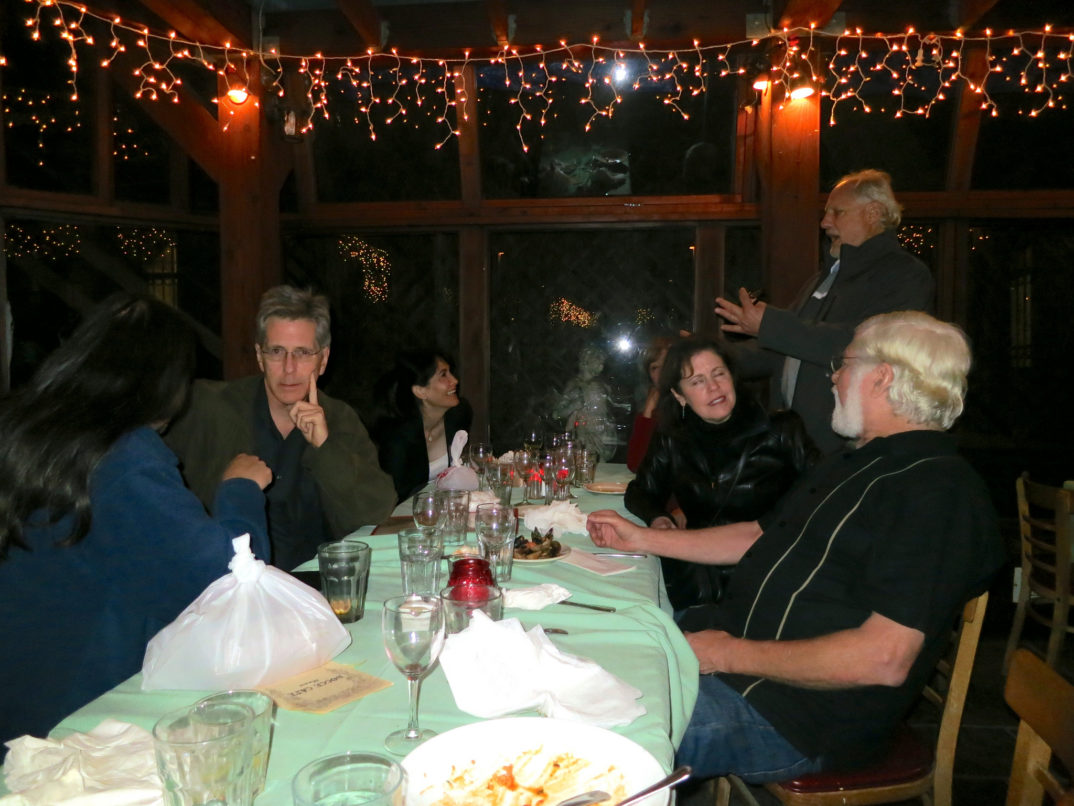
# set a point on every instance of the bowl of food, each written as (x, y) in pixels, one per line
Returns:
(527, 761)
(538, 547)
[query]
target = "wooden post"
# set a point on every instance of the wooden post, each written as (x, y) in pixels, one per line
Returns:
(788, 165)
(249, 229)
(709, 251)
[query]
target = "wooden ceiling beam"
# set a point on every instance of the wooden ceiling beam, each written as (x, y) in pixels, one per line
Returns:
(638, 23)
(212, 21)
(803, 13)
(500, 22)
(365, 20)
(966, 13)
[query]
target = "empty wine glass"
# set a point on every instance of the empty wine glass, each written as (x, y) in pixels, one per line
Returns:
(480, 456)
(426, 510)
(413, 631)
(524, 461)
(495, 525)
(532, 440)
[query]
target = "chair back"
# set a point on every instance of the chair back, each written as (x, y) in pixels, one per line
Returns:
(1045, 522)
(1044, 702)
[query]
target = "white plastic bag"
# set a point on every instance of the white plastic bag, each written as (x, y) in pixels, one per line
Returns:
(252, 627)
(458, 476)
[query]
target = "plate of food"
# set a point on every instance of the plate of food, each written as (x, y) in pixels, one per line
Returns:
(527, 761)
(539, 548)
(607, 487)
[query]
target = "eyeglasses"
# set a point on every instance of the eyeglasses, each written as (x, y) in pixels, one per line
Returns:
(837, 361)
(301, 355)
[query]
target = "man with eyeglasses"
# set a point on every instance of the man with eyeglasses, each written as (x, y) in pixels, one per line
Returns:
(326, 478)
(843, 595)
(870, 274)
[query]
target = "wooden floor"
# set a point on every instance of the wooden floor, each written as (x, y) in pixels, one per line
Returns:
(986, 741)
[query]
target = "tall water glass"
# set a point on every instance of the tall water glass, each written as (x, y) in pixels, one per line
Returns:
(585, 464)
(421, 554)
(264, 711)
(413, 632)
(495, 525)
(454, 508)
(204, 755)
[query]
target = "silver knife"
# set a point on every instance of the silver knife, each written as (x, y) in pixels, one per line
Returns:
(602, 608)
(619, 554)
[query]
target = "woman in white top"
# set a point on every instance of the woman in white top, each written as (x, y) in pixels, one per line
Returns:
(424, 412)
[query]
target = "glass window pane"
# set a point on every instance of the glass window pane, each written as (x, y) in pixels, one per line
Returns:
(141, 153)
(403, 161)
(1018, 152)
(535, 143)
(555, 293)
(388, 293)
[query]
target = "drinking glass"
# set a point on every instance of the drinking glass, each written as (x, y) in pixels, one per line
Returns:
(426, 509)
(524, 466)
(344, 567)
(501, 478)
(495, 526)
(585, 465)
(264, 715)
(351, 779)
(421, 554)
(454, 506)
(562, 474)
(532, 441)
(461, 601)
(480, 454)
(413, 631)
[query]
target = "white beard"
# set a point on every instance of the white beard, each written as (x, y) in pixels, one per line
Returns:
(849, 420)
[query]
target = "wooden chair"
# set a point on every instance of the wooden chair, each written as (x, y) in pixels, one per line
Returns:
(912, 768)
(1046, 523)
(1044, 702)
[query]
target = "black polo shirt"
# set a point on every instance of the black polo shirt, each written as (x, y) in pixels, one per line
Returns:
(296, 521)
(902, 527)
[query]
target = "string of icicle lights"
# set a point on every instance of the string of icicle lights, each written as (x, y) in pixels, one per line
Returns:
(1026, 71)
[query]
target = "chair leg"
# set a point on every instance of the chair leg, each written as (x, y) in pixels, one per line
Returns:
(1019, 621)
(724, 785)
(1060, 614)
(723, 792)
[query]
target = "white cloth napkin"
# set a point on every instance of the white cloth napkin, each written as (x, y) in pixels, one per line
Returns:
(559, 516)
(458, 476)
(535, 598)
(496, 668)
(596, 564)
(112, 765)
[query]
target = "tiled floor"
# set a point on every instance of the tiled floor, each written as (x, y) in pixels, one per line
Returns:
(986, 740)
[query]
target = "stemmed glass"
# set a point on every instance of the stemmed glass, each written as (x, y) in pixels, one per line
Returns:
(532, 440)
(413, 630)
(426, 510)
(495, 525)
(566, 468)
(480, 455)
(524, 462)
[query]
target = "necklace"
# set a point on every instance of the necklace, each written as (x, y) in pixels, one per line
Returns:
(432, 433)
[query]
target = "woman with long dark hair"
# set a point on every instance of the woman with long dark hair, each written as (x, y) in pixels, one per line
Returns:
(718, 453)
(420, 396)
(101, 544)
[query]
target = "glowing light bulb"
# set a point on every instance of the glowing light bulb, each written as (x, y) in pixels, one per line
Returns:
(238, 95)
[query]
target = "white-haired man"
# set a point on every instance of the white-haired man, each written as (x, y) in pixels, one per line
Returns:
(844, 595)
(870, 274)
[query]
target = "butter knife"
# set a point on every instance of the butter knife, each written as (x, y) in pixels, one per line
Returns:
(601, 608)
(619, 554)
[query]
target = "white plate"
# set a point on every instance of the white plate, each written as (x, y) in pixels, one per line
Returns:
(563, 552)
(607, 487)
(480, 749)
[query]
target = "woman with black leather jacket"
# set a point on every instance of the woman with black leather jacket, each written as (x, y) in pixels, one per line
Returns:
(719, 457)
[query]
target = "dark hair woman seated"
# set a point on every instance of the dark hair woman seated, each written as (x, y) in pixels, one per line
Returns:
(101, 544)
(719, 454)
(424, 410)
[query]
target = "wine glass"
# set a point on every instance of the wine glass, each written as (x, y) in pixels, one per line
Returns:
(532, 440)
(413, 630)
(495, 525)
(426, 510)
(480, 455)
(524, 461)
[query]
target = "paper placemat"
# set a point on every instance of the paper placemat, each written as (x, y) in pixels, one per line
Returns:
(323, 689)
(597, 565)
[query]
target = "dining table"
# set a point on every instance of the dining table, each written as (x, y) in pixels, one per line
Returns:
(638, 642)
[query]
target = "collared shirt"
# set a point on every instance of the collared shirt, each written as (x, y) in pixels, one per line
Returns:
(297, 524)
(902, 527)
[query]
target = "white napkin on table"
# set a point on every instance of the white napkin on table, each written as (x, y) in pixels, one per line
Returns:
(559, 516)
(496, 668)
(596, 564)
(112, 765)
(458, 476)
(535, 598)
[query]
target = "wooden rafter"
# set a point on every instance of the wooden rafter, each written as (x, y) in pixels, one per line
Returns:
(803, 13)
(638, 10)
(498, 19)
(210, 21)
(365, 20)
(967, 12)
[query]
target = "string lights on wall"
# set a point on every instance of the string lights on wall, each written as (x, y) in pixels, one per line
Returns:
(1023, 72)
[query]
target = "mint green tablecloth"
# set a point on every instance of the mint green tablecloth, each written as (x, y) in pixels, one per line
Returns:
(638, 642)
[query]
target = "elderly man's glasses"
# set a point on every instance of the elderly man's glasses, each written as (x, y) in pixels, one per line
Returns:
(301, 355)
(838, 361)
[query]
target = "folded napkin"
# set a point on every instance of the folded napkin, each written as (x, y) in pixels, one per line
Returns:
(496, 668)
(536, 597)
(458, 476)
(559, 516)
(598, 565)
(112, 765)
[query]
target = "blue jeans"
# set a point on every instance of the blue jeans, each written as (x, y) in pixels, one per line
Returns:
(726, 735)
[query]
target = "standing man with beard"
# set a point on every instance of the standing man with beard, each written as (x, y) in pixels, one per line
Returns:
(326, 480)
(844, 594)
(871, 274)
